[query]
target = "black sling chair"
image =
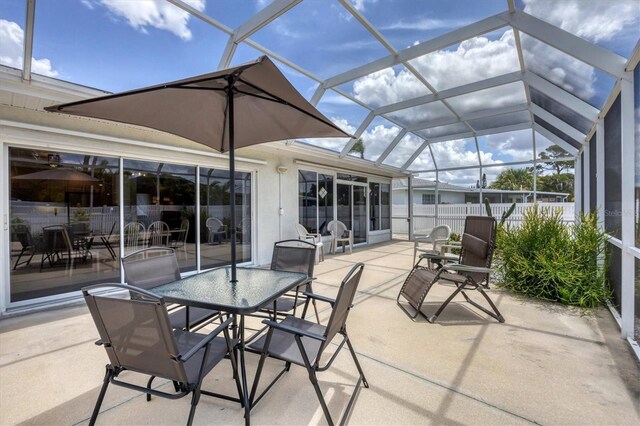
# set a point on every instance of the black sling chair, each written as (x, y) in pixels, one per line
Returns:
(154, 266)
(297, 341)
(137, 335)
(470, 273)
(293, 256)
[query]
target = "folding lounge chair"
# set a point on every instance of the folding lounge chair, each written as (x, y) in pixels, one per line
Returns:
(293, 256)
(138, 336)
(471, 273)
(297, 341)
(154, 266)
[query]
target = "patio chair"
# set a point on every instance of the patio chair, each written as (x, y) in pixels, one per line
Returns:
(340, 234)
(137, 335)
(179, 238)
(471, 273)
(316, 239)
(154, 266)
(300, 342)
(134, 236)
(158, 233)
(430, 243)
(58, 247)
(293, 256)
(215, 230)
(28, 245)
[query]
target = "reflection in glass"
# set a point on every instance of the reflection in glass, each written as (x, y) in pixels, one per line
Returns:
(559, 110)
(379, 206)
(159, 208)
(63, 222)
(315, 201)
(215, 217)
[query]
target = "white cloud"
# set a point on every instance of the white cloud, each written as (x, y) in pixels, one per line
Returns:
(386, 87)
(518, 145)
(475, 59)
(360, 5)
(426, 24)
(595, 20)
(159, 14)
(334, 144)
(377, 139)
(11, 50)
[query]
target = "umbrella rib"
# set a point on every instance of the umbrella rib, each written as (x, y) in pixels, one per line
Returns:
(282, 101)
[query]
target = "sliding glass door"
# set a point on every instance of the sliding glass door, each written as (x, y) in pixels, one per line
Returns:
(352, 209)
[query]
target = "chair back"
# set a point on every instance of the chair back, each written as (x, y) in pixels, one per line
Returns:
(55, 239)
(151, 267)
(158, 233)
(440, 232)
(133, 236)
(136, 332)
(342, 305)
(294, 256)
(214, 224)
(21, 232)
(302, 231)
(337, 228)
(478, 243)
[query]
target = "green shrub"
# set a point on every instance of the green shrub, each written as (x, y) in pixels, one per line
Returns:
(551, 260)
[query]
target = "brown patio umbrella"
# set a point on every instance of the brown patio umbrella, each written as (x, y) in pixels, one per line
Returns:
(237, 107)
(69, 176)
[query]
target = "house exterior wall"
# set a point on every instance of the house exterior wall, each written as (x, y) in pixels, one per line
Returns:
(274, 195)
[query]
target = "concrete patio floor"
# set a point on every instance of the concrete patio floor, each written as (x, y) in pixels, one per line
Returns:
(547, 364)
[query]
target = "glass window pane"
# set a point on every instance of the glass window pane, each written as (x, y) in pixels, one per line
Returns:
(314, 29)
(374, 206)
(587, 18)
(403, 151)
(64, 222)
(506, 147)
(385, 206)
(449, 129)
(463, 180)
(375, 139)
(215, 217)
(422, 114)
(162, 198)
(401, 21)
(153, 44)
(385, 87)
(576, 77)
(559, 110)
(476, 59)
(12, 24)
(456, 153)
(612, 172)
(502, 120)
(487, 99)
(557, 132)
(308, 200)
(325, 202)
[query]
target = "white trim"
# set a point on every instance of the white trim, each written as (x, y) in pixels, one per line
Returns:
(555, 139)
(27, 52)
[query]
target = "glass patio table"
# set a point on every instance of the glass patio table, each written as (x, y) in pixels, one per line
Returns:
(254, 289)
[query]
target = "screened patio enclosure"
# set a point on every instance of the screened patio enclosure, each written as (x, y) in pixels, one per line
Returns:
(480, 88)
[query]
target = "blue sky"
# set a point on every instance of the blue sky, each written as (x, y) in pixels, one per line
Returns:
(115, 45)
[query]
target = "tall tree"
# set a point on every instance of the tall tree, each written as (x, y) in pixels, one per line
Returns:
(358, 148)
(514, 180)
(552, 153)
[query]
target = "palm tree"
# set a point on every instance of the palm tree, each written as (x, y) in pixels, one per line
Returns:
(514, 180)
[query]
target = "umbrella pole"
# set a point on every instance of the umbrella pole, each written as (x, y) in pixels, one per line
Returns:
(232, 178)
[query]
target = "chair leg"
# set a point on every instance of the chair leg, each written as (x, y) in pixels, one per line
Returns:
(434, 317)
(497, 315)
(149, 387)
(107, 376)
(194, 403)
(355, 360)
(314, 380)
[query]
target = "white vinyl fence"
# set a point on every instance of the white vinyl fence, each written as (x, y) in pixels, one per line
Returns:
(424, 216)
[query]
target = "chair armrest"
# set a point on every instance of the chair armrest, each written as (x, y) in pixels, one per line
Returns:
(320, 298)
(440, 240)
(467, 268)
(293, 330)
(206, 340)
(434, 256)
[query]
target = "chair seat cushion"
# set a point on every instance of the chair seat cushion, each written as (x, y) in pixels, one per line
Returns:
(186, 340)
(475, 245)
(283, 345)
